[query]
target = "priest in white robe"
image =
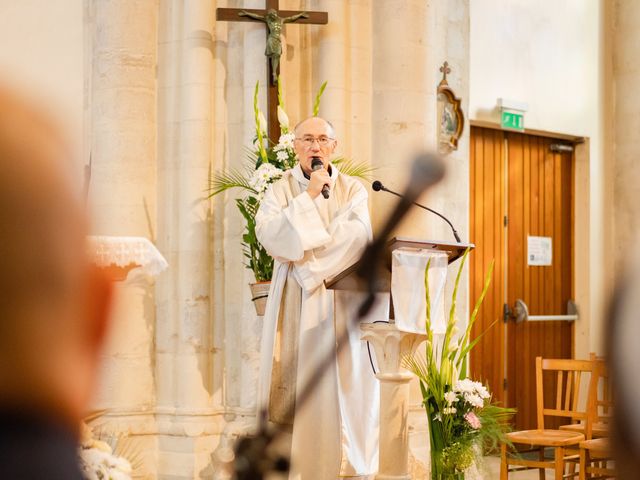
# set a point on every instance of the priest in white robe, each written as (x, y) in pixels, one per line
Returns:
(335, 433)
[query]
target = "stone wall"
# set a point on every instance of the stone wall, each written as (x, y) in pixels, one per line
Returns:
(164, 94)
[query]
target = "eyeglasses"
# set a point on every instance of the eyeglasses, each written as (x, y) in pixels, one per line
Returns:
(309, 140)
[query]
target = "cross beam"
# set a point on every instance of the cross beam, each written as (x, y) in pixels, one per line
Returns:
(274, 19)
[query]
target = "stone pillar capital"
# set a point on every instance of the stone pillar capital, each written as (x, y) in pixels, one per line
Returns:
(391, 346)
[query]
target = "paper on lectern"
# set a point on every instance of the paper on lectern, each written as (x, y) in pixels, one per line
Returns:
(408, 289)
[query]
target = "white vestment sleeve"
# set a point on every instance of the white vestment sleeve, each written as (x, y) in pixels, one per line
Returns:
(287, 233)
(349, 232)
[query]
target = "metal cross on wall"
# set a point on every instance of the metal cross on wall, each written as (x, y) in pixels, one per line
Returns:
(444, 69)
(274, 19)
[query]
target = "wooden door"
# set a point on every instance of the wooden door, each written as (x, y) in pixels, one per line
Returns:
(519, 189)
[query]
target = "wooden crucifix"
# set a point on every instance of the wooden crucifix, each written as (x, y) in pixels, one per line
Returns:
(274, 19)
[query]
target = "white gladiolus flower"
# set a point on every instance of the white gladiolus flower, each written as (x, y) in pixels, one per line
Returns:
(283, 119)
(262, 121)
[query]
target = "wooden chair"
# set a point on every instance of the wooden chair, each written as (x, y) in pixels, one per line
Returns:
(603, 404)
(595, 459)
(569, 374)
(595, 453)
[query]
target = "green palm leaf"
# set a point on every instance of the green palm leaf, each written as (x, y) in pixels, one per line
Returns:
(353, 168)
(223, 181)
(316, 103)
(417, 365)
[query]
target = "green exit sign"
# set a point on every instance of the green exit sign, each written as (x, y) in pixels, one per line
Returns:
(512, 120)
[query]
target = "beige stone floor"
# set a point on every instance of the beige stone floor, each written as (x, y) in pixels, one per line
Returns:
(492, 471)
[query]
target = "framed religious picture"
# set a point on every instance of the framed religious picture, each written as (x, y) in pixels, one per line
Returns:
(450, 115)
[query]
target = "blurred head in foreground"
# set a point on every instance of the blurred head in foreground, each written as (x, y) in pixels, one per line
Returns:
(53, 302)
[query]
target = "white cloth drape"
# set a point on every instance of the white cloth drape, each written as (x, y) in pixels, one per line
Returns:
(409, 293)
(123, 251)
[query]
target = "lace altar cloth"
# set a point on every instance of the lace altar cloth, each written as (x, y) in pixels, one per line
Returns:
(123, 251)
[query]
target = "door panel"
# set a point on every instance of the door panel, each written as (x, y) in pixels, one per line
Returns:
(487, 232)
(537, 198)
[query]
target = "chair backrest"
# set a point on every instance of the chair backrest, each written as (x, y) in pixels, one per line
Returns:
(602, 397)
(568, 375)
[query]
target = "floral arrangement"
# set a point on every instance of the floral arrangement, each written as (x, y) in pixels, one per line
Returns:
(97, 460)
(267, 163)
(462, 418)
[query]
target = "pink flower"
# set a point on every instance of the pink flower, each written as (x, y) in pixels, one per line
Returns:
(473, 420)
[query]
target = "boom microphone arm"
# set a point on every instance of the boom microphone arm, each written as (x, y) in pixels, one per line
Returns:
(377, 186)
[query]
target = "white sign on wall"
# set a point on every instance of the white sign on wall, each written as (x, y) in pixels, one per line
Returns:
(539, 251)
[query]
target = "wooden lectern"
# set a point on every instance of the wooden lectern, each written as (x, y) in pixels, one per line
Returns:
(391, 345)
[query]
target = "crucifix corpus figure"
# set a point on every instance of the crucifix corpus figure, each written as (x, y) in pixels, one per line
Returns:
(274, 23)
(274, 19)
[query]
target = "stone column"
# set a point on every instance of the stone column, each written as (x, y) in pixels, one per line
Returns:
(625, 31)
(400, 119)
(391, 346)
(410, 41)
(242, 46)
(240, 63)
(121, 111)
(185, 412)
(341, 53)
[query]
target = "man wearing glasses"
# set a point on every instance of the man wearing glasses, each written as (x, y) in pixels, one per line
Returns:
(313, 238)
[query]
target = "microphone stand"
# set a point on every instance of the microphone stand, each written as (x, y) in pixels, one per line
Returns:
(253, 458)
(377, 186)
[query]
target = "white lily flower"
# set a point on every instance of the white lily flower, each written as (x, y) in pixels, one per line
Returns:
(283, 119)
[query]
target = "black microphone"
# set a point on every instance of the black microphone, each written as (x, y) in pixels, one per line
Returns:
(377, 186)
(316, 164)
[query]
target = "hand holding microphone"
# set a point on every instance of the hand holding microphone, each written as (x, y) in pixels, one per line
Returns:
(320, 179)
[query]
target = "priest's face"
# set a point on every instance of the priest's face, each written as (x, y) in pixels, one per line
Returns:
(315, 137)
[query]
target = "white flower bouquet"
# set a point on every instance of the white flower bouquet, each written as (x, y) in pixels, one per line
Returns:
(98, 462)
(462, 418)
